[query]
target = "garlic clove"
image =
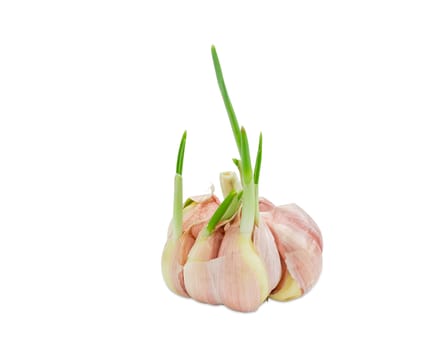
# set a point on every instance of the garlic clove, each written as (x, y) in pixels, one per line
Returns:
(299, 243)
(287, 288)
(199, 276)
(174, 257)
(267, 250)
(206, 247)
(242, 279)
(201, 281)
(294, 216)
(305, 265)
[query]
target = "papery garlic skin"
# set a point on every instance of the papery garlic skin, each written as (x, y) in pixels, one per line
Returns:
(198, 212)
(265, 205)
(299, 242)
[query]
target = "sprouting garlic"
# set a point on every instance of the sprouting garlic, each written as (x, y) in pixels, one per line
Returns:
(244, 278)
(199, 270)
(262, 236)
(196, 214)
(187, 221)
(245, 249)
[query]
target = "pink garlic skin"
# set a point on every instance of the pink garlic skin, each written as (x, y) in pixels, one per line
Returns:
(197, 214)
(299, 242)
(267, 250)
(174, 257)
(202, 280)
(175, 253)
(265, 205)
(199, 271)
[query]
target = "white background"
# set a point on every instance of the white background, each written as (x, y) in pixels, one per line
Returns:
(351, 97)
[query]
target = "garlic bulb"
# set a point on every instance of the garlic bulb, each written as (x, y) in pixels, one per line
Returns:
(244, 250)
(188, 221)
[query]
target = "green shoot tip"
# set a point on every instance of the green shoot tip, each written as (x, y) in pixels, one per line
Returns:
(246, 168)
(220, 211)
(258, 160)
(180, 154)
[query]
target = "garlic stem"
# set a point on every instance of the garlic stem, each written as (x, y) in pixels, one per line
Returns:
(225, 97)
(257, 177)
(248, 210)
(180, 154)
(220, 212)
(233, 207)
(246, 167)
(229, 182)
(178, 192)
(257, 206)
(258, 160)
(237, 162)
